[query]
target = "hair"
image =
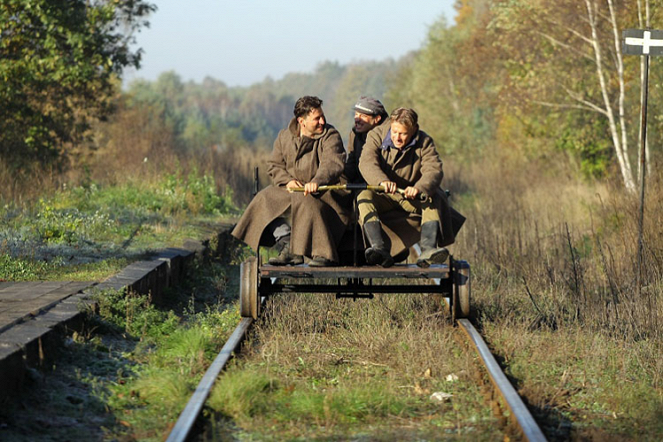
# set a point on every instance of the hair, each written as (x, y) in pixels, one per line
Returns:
(407, 117)
(384, 114)
(306, 104)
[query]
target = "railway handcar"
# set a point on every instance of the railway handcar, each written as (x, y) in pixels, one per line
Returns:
(260, 280)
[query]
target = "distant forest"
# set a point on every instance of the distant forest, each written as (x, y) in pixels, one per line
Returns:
(212, 115)
(511, 80)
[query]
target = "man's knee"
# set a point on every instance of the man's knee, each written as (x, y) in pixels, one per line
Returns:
(366, 207)
(366, 197)
(429, 210)
(279, 228)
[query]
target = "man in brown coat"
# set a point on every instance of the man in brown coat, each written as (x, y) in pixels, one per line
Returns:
(399, 155)
(308, 153)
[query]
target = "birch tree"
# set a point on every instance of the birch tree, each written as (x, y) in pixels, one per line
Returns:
(617, 122)
(578, 62)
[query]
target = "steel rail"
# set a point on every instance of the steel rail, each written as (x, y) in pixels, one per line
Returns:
(188, 417)
(513, 400)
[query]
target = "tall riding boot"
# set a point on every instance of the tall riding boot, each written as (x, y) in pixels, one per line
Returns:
(285, 257)
(377, 254)
(430, 252)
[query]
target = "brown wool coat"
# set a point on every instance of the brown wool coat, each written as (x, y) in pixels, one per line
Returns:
(318, 221)
(420, 166)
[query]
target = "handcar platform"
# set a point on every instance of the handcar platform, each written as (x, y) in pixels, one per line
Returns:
(396, 271)
(263, 280)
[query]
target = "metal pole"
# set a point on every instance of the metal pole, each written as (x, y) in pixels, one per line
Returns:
(643, 173)
(256, 181)
(256, 189)
(355, 218)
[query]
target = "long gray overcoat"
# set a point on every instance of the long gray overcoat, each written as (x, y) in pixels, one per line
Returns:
(318, 221)
(418, 165)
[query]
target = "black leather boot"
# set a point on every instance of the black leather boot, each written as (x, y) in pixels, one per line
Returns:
(377, 254)
(285, 257)
(430, 252)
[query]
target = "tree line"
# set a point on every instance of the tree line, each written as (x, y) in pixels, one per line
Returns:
(212, 115)
(516, 77)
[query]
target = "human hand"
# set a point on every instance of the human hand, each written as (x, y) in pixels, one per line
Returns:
(292, 184)
(310, 188)
(389, 186)
(411, 192)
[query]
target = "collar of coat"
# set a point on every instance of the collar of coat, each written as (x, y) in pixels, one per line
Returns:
(360, 136)
(294, 129)
(388, 144)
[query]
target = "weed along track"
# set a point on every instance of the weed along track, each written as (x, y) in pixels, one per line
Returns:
(328, 366)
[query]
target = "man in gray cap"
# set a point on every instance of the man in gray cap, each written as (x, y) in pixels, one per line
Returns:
(369, 113)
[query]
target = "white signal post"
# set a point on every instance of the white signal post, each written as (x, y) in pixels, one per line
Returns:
(647, 42)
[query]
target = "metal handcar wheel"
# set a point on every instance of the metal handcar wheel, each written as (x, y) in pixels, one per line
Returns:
(248, 289)
(461, 291)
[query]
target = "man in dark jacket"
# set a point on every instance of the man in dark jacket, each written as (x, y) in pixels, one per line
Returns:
(400, 155)
(308, 153)
(369, 113)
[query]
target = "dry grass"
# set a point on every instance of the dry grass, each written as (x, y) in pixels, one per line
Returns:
(136, 145)
(554, 287)
(19, 186)
(383, 330)
(138, 142)
(330, 369)
(563, 251)
(581, 385)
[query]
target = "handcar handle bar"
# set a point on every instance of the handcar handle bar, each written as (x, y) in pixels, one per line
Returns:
(357, 186)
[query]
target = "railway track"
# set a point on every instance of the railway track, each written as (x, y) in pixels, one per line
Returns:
(519, 412)
(193, 408)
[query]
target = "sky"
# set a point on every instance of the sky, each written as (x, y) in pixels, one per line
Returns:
(243, 42)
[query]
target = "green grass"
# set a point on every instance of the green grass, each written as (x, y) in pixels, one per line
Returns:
(172, 351)
(22, 269)
(249, 393)
(171, 365)
(90, 232)
(135, 314)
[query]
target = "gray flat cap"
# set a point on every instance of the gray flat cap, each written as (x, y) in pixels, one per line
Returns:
(369, 106)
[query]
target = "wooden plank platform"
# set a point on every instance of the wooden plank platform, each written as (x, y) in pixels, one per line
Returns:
(36, 316)
(24, 300)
